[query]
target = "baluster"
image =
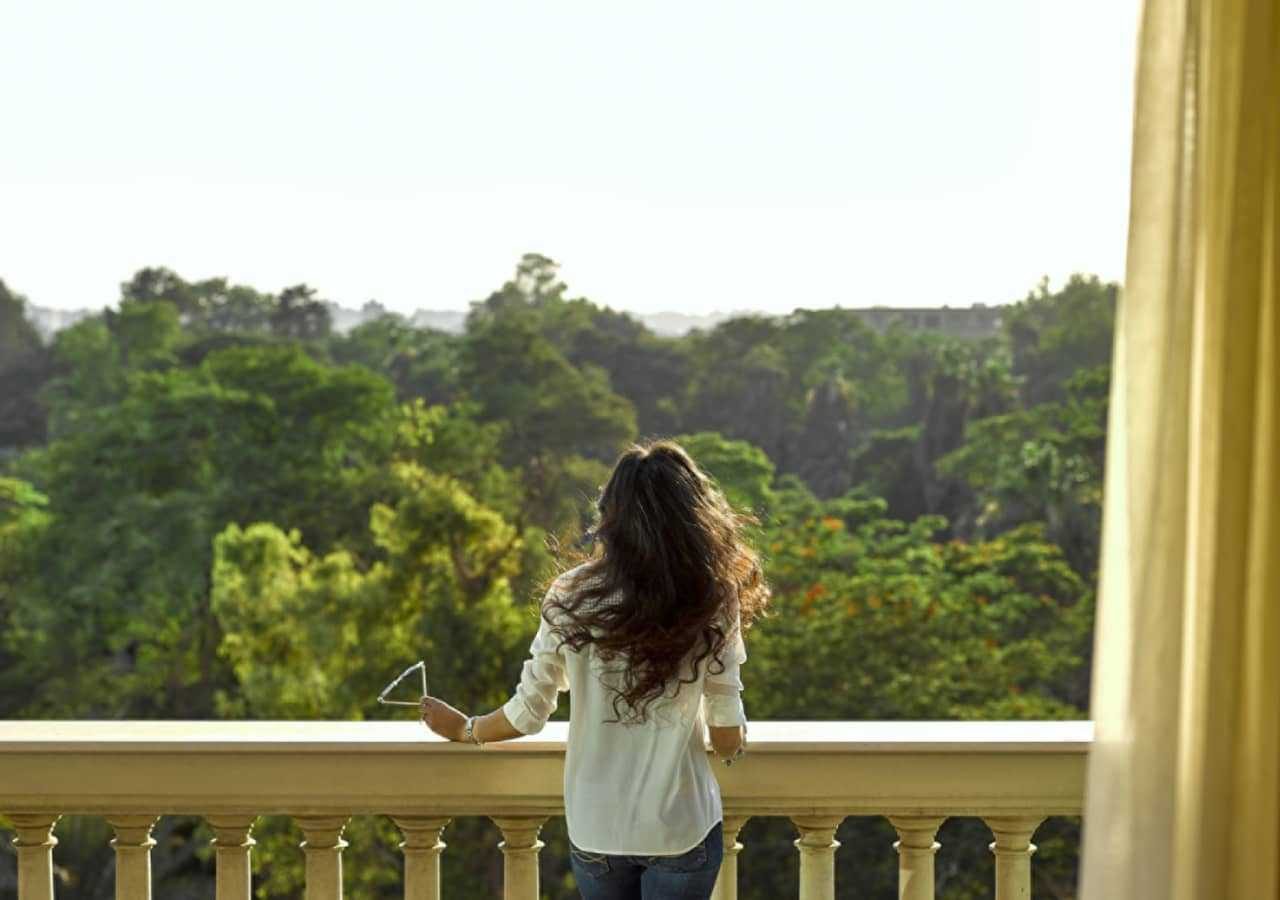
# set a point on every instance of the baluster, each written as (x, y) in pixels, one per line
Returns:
(421, 847)
(1013, 848)
(727, 880)
(133, 843)
(232, 845)
(817, 845)
(35, 843)
(916, 848)
(323, 846)
(520, 848)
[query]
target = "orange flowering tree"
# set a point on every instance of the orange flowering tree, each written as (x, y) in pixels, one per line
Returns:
(879, 619)
(914, 628)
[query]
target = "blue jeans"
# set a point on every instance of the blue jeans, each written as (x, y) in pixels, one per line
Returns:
(688, 876)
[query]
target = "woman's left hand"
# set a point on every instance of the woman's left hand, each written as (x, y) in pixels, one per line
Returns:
(442, 718)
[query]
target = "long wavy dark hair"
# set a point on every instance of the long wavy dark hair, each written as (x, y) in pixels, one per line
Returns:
(669, 549)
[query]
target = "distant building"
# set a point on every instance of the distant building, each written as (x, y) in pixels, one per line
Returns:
(977, 321)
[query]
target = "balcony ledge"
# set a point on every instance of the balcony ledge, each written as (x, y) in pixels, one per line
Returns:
(265, 736)
(271, 767)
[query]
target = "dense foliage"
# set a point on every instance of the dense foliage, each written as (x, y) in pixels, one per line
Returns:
(212, 505)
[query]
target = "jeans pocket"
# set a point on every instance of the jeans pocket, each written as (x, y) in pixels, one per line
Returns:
(692, 861)
(593, 864)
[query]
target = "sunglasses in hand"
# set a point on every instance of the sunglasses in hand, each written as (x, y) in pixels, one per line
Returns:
(420, 666)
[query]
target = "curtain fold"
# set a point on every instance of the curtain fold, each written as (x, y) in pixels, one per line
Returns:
(1183, 796)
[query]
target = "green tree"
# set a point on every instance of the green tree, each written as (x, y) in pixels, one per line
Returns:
(146, 334)
(831, 424)
(25, 366)
(18, 337)
(1042, 464)
(298, 314)
(1053, 334)
(212, 305)
(560, 424)
(742, 471)
(156, 283)
(23, 520)
(137, 490)
(88, 375)
(740, 388)
(648, 370)
(950, 383)
(312, 636)
(421, 362)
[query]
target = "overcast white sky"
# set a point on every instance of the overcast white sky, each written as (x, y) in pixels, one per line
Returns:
(686, 156)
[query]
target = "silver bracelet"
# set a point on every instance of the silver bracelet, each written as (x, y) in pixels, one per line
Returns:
(469, 732)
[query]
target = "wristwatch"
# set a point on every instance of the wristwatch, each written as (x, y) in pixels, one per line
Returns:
(469, 732)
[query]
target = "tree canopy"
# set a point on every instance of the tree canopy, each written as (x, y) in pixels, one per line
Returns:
(223, 507)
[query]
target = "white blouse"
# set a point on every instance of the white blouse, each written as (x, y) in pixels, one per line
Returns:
(641, 789)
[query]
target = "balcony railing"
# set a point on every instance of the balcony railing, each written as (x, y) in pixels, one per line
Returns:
(917, 774)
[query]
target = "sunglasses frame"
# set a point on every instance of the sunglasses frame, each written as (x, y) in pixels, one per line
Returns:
(382, 698)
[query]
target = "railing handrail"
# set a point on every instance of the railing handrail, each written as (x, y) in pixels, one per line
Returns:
(380, 737)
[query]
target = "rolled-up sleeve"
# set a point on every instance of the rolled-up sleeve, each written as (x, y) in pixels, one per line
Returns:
(543, 677)
(722, 691)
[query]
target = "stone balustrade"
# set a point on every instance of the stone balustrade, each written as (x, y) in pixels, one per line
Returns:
(917, 774)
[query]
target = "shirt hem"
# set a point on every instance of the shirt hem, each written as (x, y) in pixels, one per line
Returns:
(719, 820)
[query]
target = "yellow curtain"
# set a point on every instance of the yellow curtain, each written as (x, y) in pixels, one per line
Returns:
(1183, 797)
